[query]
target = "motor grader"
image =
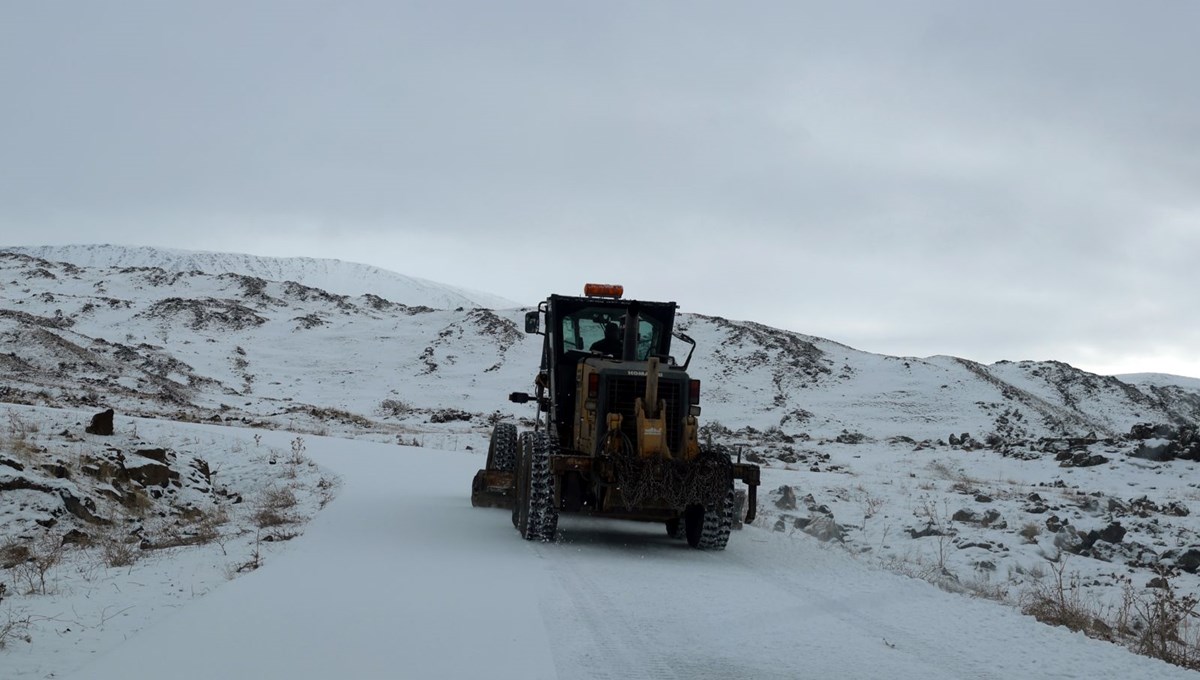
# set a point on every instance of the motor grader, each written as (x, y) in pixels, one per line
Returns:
(616, 429)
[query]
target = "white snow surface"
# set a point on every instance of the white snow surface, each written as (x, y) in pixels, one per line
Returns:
(400, 578)
(1161, 380)
(335, 276)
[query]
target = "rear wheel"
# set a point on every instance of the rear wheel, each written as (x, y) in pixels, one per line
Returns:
(502, 450)
(675, 527)
(693, 524)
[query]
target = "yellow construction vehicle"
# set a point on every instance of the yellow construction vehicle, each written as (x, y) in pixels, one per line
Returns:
(616, 430)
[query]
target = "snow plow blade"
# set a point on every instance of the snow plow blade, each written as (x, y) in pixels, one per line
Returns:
(493, 489)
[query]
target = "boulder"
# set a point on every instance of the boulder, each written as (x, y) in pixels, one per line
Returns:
(159, 455)
(787, 498)
(1068, 540)
(102, 424)
(152, 474)
(1189, 561)
(824, 528)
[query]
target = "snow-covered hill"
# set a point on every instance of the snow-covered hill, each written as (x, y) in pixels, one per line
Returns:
(226, 345)
(983, 479)
(335, 276)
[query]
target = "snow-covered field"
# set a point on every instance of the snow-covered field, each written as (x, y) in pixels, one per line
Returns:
(400, 578)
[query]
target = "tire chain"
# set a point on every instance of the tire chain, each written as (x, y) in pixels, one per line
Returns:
(705, 480)
(543, 516)
(504, 447)
(718, 522)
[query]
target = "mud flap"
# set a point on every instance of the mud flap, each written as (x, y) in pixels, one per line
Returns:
(493, 489)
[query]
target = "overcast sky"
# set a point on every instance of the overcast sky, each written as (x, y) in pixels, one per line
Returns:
(992, 180)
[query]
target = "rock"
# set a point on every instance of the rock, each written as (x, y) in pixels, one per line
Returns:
(929, 530)
(1082, 459)
(992, 519)
(982, 498)
(1177, 509)
(965, 516)
(780, 525)
(76, 537)
(1189, 561)
(152, 474)
(1141, 431)
(824, 529)
(787, 498)
(1054, 524)
(1068, 540)
(102, 424)
(987, 519)
(57, 470)
(84, 509)
(159, 455)
(1154, 452)
(1157, 582)
(1113, 533)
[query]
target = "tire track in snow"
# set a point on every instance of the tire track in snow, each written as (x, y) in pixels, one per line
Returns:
(901, 639)
(616, 639)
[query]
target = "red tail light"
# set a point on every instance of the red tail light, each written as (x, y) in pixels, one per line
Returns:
(694, 392)
(593, 385)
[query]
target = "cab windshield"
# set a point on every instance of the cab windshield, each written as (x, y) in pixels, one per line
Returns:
(584, 330)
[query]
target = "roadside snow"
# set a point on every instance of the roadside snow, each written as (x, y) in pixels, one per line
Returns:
(400, 578)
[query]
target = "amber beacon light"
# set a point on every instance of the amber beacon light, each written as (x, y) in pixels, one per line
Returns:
(603, 290)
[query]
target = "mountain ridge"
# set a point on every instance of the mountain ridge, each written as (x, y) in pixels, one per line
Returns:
(218, 344)
(336, 276)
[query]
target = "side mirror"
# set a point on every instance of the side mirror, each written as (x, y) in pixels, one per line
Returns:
(531, 321)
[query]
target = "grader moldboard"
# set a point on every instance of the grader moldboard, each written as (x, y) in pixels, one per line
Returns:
(616, 430)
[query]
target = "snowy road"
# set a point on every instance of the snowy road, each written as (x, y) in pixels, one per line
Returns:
(400, 578)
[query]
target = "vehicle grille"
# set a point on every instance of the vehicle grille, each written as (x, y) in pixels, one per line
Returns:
(620, 393)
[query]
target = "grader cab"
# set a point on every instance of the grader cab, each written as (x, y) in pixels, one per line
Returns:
(616, 432)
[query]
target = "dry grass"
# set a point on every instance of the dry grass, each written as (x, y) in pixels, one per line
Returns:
(1159, 624)
(117, 552)
(273, 506)
(1030, 531)
(17, 438)
(14, 627)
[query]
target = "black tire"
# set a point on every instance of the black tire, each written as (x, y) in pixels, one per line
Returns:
(675, 528)
(502, 450)
(537, 516)
(520, 481)
(717, 523)
(693, 524)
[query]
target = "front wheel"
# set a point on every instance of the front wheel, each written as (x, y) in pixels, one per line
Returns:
(718, 521)
(535, 514)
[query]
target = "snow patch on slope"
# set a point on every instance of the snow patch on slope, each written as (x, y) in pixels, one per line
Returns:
(335, 276)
